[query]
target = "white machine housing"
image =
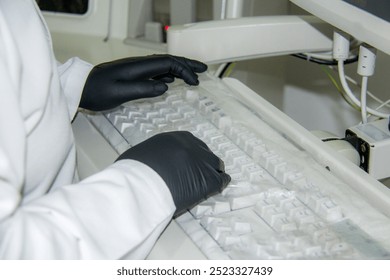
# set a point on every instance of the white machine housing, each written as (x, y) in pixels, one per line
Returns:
(357, 22)
(373, 144)
(372, 139)
(247, 38)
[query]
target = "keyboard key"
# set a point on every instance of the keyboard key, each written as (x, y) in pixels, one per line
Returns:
(275, 207)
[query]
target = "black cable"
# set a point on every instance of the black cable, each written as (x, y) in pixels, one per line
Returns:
(332, 62)
(332, 139)
(224, 70)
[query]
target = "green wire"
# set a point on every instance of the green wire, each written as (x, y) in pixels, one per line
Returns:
(338, 87)
(230, 69)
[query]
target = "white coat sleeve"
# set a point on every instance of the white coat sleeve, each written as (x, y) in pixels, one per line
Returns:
(94, 219)
(118, 212)
(73, 74)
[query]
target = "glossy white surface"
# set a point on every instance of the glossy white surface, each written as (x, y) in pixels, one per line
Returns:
(246, 38)
(354, 21)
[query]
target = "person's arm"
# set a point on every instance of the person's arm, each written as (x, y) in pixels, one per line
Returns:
(73, 75)
(190, 169)
(118, 212)
(112, 83)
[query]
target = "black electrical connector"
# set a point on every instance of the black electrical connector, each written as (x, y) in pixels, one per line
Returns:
(388, 126)
(361, 146)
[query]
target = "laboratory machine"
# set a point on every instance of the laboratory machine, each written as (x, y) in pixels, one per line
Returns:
(292, 194)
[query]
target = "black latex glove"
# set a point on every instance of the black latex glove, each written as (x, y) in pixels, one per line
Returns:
(188, 167)
(110, 84)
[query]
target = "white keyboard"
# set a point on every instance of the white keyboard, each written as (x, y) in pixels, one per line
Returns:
(280, 204)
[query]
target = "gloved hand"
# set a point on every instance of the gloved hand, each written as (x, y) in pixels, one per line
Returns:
(110, 84)
(188, 167)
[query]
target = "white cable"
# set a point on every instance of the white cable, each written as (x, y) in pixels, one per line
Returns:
(223, 9)
(366, 62)
(386, 103)
(366, 66)
(363, 99)
(380, 101)
(350, 94)
(341, 43)
(324, 55)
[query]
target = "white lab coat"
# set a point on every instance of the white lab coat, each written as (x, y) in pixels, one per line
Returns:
(44, 212)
